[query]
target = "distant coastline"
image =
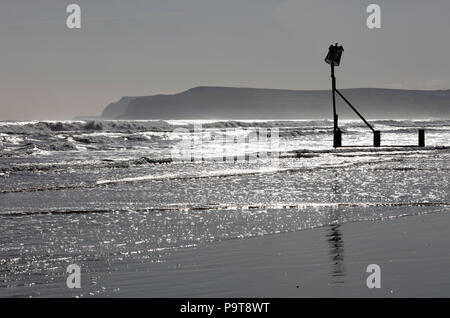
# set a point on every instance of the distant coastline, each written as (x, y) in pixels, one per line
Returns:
(252, 103)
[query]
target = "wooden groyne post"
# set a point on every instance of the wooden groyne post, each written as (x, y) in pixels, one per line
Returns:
(421, 137)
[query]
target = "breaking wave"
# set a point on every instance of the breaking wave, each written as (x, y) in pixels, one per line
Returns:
(177, 176)
(82, 165)
(48, 127)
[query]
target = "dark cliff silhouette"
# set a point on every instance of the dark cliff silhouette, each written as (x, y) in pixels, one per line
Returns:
(253, 103)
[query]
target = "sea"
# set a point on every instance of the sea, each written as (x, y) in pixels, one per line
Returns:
(103, 194)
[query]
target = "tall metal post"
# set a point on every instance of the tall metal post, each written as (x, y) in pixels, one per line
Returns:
(337, 138)
(333, 85)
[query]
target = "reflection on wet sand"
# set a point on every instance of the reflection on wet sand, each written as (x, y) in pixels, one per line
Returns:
(334, 236)
(336, 242)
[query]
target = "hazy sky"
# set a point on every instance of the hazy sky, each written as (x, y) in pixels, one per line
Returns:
(145, 47)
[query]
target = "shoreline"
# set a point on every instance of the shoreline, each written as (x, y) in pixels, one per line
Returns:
(329, 261)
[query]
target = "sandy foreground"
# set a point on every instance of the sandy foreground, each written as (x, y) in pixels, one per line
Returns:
(413, 253)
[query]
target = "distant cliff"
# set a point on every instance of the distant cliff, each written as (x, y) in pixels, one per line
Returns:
(253, 103)
(117, 109)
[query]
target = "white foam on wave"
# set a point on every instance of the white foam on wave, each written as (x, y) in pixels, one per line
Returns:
(241, 172)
